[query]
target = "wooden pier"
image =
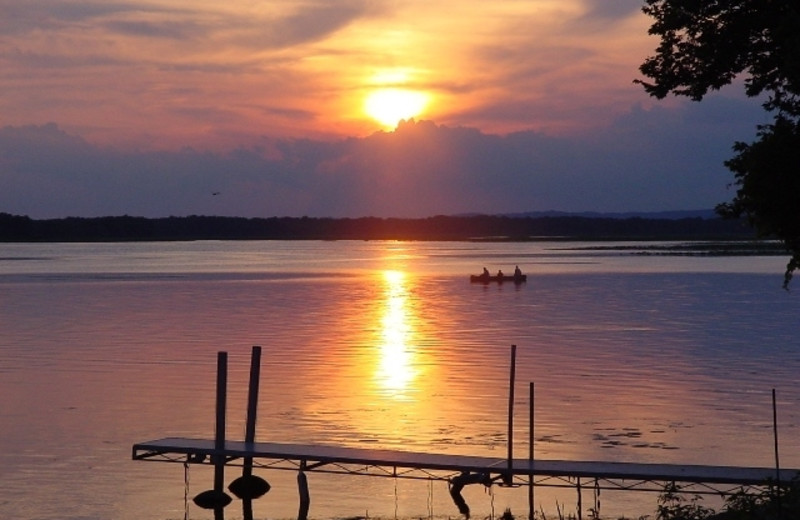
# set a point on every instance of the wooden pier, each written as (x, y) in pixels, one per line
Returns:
(457, 470)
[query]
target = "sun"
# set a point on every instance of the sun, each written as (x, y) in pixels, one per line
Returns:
(389, 106)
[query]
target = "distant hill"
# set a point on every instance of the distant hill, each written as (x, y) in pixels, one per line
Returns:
(668, 215)
(551, 226)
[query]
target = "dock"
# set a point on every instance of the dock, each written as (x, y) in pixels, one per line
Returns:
(418, 465)
(457, 470)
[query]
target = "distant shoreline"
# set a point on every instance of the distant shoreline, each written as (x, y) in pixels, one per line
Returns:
(483, 228)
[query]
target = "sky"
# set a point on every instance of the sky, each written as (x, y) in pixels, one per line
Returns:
(348, 108)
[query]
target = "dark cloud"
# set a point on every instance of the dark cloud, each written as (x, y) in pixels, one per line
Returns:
(146, 29)
(54, 60)
(316, 22)
(310, 22)
(612, 9)
(648, 160)
(22, 17)
(289, 113)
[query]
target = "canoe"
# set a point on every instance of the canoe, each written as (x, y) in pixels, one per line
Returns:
(479, 278)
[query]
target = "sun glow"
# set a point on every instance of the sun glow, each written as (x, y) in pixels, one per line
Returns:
(389, 106)
(396, 371)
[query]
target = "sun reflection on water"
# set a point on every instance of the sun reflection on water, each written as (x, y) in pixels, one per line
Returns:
(396, 368)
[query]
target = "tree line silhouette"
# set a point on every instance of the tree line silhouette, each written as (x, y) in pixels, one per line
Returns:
(14, 228)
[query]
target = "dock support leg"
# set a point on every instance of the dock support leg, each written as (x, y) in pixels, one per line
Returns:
(596, 513)
(252, 404)
(217, 498)
(219, 438)
(531, 439)
(249, 486)
(508, 478)
(305, 497)
(458, 500)
(464, 479)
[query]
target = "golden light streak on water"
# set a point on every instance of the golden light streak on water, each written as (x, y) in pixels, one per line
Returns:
(396, 369)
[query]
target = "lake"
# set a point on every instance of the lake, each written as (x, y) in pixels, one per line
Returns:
(635, 357)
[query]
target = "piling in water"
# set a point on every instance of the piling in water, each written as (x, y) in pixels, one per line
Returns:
(217, 498)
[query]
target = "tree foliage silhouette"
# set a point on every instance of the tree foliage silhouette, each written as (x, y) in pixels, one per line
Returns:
(705, 46)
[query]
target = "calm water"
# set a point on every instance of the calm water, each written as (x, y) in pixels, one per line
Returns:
(634, 357)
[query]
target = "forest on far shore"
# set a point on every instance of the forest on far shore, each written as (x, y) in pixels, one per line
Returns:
(14, 228)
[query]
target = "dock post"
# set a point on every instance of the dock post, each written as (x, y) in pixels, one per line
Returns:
(252, 400)
(217, 498)
(530, 452)
(249, 486)
(509, 476)
(305, 496)
(775, 438)
(219, 437)
(778, 490)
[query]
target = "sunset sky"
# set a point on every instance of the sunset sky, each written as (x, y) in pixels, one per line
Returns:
(290, 108)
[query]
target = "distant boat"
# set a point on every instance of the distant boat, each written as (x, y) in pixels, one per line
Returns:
(482, 278)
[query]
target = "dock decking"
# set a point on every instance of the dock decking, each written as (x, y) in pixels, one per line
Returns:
(417, 465)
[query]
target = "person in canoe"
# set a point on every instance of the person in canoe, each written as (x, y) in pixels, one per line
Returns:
(485, 273)
(517, 272)
(499, 274)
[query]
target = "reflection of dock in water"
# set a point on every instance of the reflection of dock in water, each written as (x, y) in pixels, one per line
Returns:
(458, 470)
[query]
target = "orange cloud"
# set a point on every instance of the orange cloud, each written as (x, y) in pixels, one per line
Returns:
(165, 74)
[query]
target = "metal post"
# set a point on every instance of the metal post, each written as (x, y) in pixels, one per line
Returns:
(530, 452)
(219, 438)
(252, 405)
(775, 437)
(216, 498)
(305, 496)
(778, 490)
(249, 486)
(509, 476)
